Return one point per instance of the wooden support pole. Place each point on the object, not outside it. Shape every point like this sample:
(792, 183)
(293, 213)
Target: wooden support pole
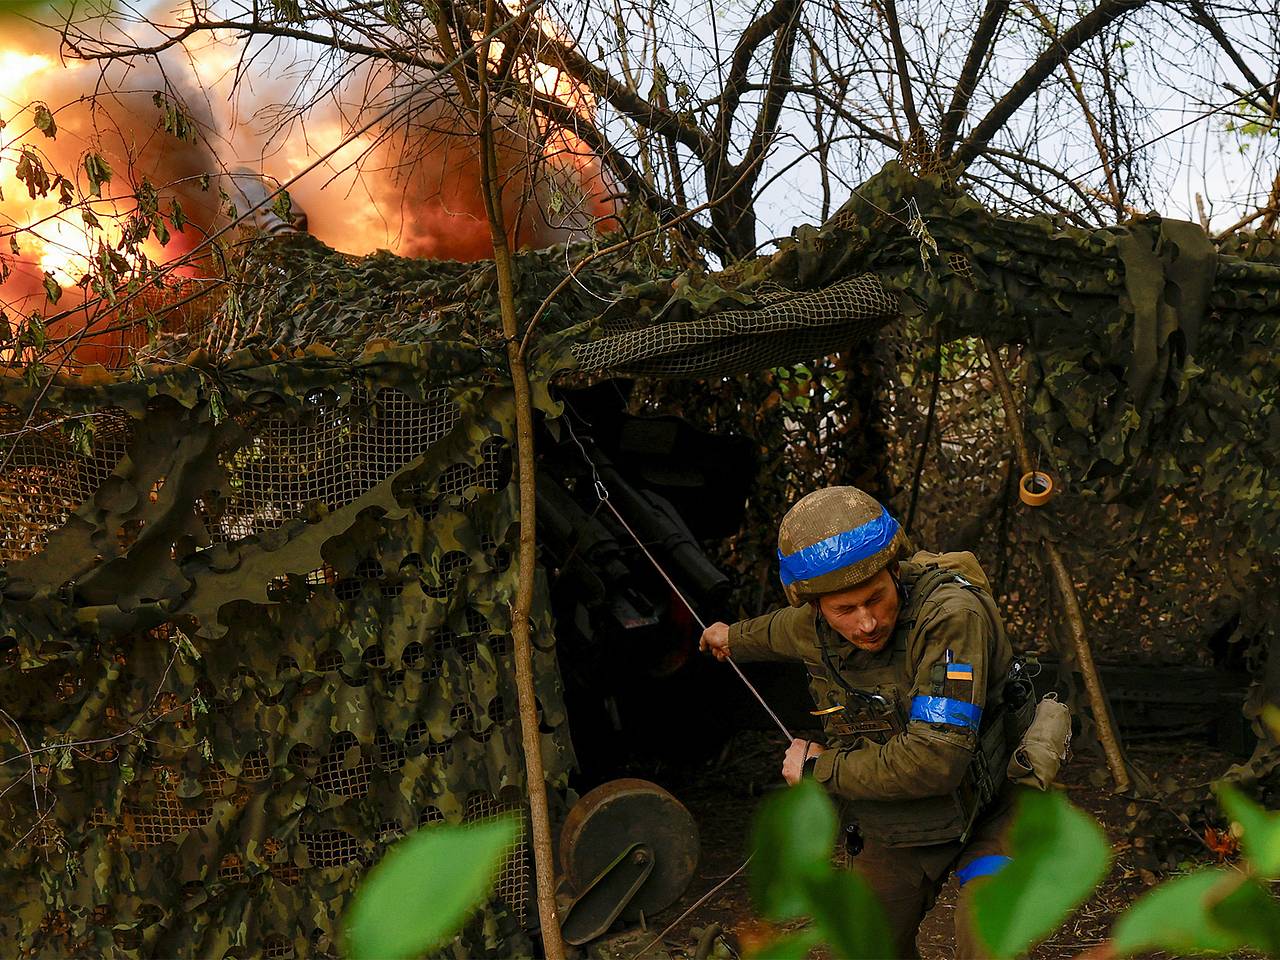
(1097, 697)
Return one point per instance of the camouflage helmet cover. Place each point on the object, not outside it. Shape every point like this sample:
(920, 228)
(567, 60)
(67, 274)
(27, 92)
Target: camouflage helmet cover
(833, 539)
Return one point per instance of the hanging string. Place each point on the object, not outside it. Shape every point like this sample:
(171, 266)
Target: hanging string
(603, 493)
(694, 906)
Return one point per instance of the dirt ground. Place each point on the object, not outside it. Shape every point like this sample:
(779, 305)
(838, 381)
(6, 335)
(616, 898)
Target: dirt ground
(723, 796)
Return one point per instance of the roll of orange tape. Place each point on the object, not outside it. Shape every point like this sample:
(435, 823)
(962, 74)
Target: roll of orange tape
(1035, 488)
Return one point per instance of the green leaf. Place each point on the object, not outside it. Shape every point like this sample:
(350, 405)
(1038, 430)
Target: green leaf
(81, 438)
(1261, 838)
(176, 215)
(35, 331)
(849, 916)
(1253, 914)
(31, 171)
(44, 121)
(1059, 855)
(290, 11)
(282, 206)
(51, 288)
(1271, 719)
(174, 118)
(424, 889)
(1177, 916)
(791, 946)
(98, 171)
(185, 646)
(791, 842)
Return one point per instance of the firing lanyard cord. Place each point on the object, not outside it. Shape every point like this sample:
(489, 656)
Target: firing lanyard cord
(603, 493)
(604, 496)
(690, 909)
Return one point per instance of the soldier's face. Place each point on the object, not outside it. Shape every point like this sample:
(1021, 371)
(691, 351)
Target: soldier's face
(864, 615)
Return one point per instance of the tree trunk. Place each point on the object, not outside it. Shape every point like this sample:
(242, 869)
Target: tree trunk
(477, 101)
(733, 219)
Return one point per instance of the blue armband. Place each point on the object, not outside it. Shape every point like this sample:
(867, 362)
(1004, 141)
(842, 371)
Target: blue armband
(958, 713)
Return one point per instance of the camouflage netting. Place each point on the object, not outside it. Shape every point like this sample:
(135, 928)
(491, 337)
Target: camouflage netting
(776, 326)
(255, 608)
(246, 652)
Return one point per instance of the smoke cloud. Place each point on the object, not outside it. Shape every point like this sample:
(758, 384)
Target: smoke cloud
(410, 185)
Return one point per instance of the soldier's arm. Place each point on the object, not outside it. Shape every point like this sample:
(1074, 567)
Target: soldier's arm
(780, 635)
(930, 756)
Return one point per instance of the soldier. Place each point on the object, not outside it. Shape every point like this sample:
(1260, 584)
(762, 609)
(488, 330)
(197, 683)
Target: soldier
(908, 668)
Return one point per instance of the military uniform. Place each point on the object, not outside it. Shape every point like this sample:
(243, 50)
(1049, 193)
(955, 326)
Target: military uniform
(911, 733)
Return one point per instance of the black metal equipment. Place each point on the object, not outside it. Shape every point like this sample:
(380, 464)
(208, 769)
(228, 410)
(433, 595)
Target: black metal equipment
(627, 646)
(628, 849)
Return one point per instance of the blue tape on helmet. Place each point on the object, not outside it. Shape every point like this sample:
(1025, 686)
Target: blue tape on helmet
(982, 867)
(837, 552)
(959, 713)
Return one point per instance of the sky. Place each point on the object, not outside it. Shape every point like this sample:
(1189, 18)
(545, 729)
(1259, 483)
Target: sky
(1174, 78)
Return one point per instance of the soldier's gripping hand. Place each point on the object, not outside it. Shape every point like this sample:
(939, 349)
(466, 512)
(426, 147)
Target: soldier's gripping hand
(798, 754)
(715, 641)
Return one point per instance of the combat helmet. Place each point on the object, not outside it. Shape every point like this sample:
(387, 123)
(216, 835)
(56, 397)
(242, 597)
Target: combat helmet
(833, 539)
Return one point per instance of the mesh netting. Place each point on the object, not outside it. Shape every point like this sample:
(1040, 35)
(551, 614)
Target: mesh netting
(789, 326)
(248, 779)
(513, 879)
(330, 455)
(50, 473)
(1149, 598)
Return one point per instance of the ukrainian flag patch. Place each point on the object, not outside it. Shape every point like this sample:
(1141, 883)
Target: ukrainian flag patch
(960, 671)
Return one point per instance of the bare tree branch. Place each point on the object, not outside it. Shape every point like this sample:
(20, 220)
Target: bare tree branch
(1085, 29)
(990, 152)
(1204, 18)
(983, 37)
(916, 131)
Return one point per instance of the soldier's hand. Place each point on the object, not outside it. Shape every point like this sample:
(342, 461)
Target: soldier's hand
(797, 754)
(715, 641)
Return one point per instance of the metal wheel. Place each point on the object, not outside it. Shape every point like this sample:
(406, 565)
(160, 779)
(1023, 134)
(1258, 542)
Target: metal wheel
(622, 812)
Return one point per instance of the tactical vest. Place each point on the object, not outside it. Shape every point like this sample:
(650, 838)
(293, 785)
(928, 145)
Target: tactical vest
(873, 702)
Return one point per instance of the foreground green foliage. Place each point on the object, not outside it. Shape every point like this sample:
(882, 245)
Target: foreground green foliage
(425, 888)
(1060, 854)
(792, 876)
(1215, 910)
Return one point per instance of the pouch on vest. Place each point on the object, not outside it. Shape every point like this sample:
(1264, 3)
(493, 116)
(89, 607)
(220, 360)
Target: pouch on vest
(1043, 748)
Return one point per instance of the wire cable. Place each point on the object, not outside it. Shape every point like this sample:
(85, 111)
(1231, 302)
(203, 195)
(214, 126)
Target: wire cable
(603, 493)
(696, 904)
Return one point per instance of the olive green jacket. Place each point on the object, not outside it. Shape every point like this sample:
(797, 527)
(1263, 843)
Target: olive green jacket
(953, 634)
